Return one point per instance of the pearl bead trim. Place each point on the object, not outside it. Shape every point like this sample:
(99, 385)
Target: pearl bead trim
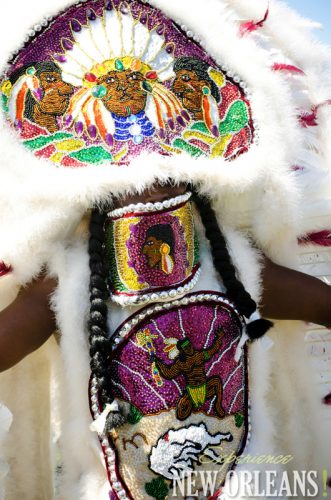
(163, 296)
(110, 456)
(150, 207)
(122, 333)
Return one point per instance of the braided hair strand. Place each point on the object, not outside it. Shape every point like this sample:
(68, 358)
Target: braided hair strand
(256, 326)
(100, 351)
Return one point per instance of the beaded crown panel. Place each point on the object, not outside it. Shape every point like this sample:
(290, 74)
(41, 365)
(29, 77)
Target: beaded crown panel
(173, 368)
(106, 80)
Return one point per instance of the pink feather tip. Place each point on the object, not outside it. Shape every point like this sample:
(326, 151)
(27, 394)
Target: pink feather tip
(320, 238)
(327, 399)
(38, 93)
(250, 26)
(4, 269)
(288, 68)
(310, 119)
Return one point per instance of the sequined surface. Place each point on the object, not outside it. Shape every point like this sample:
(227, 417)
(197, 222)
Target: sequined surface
(198, 323)
(118, 79)
(173, 367)
(152, 251)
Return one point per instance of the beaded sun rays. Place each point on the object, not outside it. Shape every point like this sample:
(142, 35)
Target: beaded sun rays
(106, 80)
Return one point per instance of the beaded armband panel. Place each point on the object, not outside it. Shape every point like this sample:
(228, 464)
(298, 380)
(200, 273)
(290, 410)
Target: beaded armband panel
(174, 372)
(152, 251)
(109, 79)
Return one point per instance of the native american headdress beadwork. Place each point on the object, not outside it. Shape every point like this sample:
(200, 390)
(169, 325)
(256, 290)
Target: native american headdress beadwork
(17, 94)
(109, 79)
(111, 44)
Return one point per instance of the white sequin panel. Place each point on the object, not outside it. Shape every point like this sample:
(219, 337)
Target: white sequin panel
(127, 33)
(141, 38)
(155, 45)
(100, 37)
(113, 31)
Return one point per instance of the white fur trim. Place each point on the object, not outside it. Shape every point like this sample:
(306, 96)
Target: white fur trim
(84, 468)
(6, 419)
(42, 205)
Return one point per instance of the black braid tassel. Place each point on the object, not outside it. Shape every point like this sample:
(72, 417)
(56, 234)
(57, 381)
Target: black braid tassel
(256, 329)
(114, 420)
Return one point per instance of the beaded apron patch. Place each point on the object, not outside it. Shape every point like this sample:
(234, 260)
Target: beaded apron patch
(109, 79)
(152, 251)
(173, 368)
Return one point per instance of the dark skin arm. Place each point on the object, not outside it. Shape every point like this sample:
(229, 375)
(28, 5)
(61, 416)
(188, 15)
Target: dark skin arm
(26, 323)
(289, 294)
(168, 372)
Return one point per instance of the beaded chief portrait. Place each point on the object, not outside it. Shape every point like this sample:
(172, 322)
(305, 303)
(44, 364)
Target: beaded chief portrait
(106, 80)
(152, 251)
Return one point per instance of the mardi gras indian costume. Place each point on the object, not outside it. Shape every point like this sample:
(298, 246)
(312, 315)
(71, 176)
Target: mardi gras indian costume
(151, 377)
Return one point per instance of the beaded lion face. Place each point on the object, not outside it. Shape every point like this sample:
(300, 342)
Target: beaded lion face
(107, 80)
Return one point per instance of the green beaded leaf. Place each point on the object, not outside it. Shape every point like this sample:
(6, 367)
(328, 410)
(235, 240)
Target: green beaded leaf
(201, 127)
(239, 419)
(236, 118)
(94, 154)
(135, 415)
(4, 103)
(196, 250)
(43, 140)
(189, 148)
(157, 488)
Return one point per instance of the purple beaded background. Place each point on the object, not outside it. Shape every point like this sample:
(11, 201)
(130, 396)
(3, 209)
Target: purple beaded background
(138, 261)
(46, 44)
(196, 320)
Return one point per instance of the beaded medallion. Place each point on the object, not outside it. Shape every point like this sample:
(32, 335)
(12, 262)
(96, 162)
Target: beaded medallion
(152, 251)
(173, 368)
(109, 79)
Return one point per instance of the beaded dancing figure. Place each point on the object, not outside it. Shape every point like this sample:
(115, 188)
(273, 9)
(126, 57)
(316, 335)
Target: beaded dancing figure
(190, 363)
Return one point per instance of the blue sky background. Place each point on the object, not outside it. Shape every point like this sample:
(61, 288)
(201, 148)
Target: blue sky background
(317, 10)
